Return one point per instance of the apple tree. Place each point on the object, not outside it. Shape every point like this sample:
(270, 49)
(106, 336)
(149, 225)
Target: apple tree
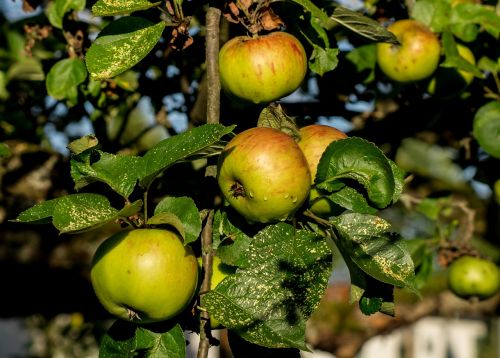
(239, 173)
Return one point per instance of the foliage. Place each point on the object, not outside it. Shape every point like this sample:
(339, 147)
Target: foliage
(136, 73)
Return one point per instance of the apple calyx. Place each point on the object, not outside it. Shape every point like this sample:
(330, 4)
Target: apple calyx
(237, 190)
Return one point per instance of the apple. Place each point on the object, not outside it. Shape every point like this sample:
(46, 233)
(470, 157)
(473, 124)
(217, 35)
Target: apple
(448, 82)
(262, 69)
(314, 139)
(470, 277)
(264, 175)
(219, 272)
(144, 275)
(417, 56)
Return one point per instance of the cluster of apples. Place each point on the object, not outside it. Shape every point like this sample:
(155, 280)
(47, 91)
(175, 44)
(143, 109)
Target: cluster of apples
(266, 176)
(417, 58)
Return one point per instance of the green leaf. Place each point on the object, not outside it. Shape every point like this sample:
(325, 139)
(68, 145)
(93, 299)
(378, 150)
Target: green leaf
(371, 295)
(229, 240)
(38, 214)
(127, 340)
(80, 145)
(359, 160)
(362, 25)
(182, 214)
(120, 172)
(72, 213)
(120, 7)
(58, 8)
(273, 116)
(356, 22)
(399, 180)
(351, 199)
(486, 128)
(64, 77)
(323, 60)
(466, 14)
(4, 93)
(179, 147)
(453, 58)
(80, 212)
(121, 45)
(432, 13)
(4, 150)
(365, 59)
(26, 69)
(379, 253)
(279, 284)
(432, 161)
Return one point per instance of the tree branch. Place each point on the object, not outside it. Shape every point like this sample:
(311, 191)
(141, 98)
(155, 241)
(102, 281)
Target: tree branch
(213, 113)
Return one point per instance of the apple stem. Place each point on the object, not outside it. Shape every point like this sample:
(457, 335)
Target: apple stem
(238, 190)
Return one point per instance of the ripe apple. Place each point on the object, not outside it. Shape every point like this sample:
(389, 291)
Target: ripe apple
(470, 277)
(313, 141)
(144, 275)
(263, 175)
(416, 58)
(219, 272)
(262, 69)
(448, 82)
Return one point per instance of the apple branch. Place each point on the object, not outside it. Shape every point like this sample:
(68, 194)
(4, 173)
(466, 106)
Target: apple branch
(213, 113)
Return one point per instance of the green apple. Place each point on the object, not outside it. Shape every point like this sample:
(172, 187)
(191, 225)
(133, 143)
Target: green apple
(264, 175)
(219, 272)
(144, 275)
(262, 69)
(448, 82)
(470, 277)
(417, 56)
(314, 139)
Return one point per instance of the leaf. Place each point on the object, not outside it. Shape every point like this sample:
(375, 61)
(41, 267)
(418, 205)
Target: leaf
(365, 59)
(80, 145)
(486, 128)
(179, 147)
(323, 60)
(379, 253)
(120, 7)
(351, 199)
(453, 58)
(273, 116)
(279, 284)
(120, 172)
(121, 45)
(58, 8)
(466, 14)
(399, 180)
(434, 14)
(4, 150)
(431, 161)
(229, 240)
(80, 212)
(64, 77)
(359, 160)
(362, 25)
(181, 213)
(38, 214)
(72, 213)
(127, 340)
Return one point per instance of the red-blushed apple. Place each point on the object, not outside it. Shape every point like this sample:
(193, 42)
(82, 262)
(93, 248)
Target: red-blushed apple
(313, 141)
(417, 56)
(264, 175)
(262, 69)
(144, 275)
